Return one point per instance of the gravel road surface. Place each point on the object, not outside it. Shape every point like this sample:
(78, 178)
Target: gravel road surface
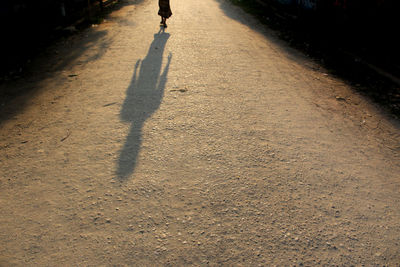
(209, 143)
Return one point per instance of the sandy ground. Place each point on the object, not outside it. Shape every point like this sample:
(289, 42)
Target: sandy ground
(211, 143)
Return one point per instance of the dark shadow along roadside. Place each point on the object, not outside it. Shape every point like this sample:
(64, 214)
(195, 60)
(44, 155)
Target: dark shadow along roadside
(33, 55)
(367, 59)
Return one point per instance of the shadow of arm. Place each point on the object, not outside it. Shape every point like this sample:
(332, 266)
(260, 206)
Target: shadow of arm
(164, 75)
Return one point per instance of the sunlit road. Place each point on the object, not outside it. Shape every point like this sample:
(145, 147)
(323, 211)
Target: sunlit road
(209, 143)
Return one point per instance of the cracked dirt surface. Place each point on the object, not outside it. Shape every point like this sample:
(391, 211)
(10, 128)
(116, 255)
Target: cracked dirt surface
(212, 143)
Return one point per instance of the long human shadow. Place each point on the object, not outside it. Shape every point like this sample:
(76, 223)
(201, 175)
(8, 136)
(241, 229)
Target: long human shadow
(143, 98)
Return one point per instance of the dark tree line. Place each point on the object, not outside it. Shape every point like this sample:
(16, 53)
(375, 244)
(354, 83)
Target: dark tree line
(45, 12)
(369, 26)
(28, 24)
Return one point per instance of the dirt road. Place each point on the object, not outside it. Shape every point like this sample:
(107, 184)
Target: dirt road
(212, 143)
